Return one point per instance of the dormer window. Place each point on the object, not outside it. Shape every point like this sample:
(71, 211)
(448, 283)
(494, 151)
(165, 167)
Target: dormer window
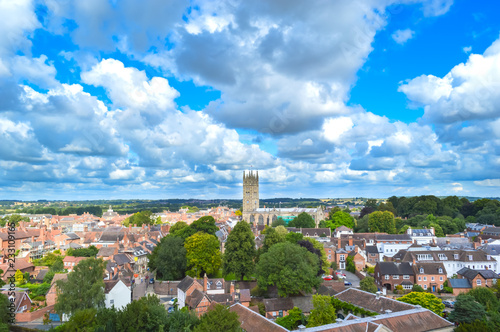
(488, 257)
(440, 270)
(455, 256)
(470, 257)
(421, 270)
(219, 284)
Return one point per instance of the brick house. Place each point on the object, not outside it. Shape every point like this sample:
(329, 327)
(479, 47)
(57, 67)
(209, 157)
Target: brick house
(372, 255)
(391, 274)
(278, 307)
(70, 262)
(430, 276)
(20, 264)
(478, 278)
(22, 301)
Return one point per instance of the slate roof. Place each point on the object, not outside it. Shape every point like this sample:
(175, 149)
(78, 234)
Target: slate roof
(491, 249)
(72, 236)
(370, 302)
(421, 232)
(41, 275)
(492, 231)
(459, 283)
(111, 236)
(395, 268)
(106, 252)
(449, 255)
(371, 250)
(430, 268)
(108, 285)
(121, 259)
(245, 295)
(471, 274)
(394, 237)
(285, 303)
(185, 283)
(221, 298)
(195, 298)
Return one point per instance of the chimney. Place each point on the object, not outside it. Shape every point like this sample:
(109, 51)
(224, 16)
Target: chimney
(448, 241)
(130, 227)
(301, 327)
(350, 240)
(339, 243)
(205, 283)
(476, 245)
(231, 288)
(143, 226)
(378, 295)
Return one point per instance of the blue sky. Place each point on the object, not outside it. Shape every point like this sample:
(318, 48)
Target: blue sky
(165, 99)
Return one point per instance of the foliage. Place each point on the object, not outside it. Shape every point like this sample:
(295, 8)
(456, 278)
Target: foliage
(399, 290)
(323, 312)
(350, 308)
(293, 237)
(4, 312)
(486, 297)
(48, 260)
(177, 227)
(370, 269)
(83, 289)
(19, 278)
(37, 289)
(475, 326)
(334, 265)
(91, 251)
(368, 285)
(292, 321)
(205, 224)
(417, 288)
(379, 221)
(349, 264)
(362, 225)
(238, 212)
(278, 222)
(425, 300)
(180, 321)
(281, 230)
(303, 220)
(140, 218)
(310, 247)
(325, 264)
(203, 254)
(340, 218)
(239, 251)
(466, 310)
(145, 314)
(289, 267)
(219, 319)
(169, 258)
(15, 218)
(272, 238)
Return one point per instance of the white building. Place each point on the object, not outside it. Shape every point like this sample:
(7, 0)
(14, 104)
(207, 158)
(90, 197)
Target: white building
(117, 294)
(422, 236)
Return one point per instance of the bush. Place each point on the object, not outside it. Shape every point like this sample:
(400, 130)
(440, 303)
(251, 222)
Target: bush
(39, 298)
(334, 266)
(257, 292)
(370, 269)
(417, 288)
(399, 289)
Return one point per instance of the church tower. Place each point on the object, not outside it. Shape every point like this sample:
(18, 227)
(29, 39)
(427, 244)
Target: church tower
(250, 191)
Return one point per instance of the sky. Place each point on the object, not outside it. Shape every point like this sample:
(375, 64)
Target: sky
(175, 99)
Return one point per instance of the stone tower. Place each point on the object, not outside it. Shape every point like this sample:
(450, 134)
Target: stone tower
(250, 191)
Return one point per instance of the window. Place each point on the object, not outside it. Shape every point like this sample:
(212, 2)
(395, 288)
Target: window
(386, 277)
(441, 286)
(419, 278)
(425, 278)
(455, 256)
(421, 270)
(342, 258)
(406, 276)
(274, 313)
(470, 257)
(219, 284)
(395, 277)
(425, 286)
(407, 286)
(478, 282)
(440, 278)
(111, 302)
(432, 278)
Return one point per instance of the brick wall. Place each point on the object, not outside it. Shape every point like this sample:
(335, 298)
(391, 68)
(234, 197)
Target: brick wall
(30, 316)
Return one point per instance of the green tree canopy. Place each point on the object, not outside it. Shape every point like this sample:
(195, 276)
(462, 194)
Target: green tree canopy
(289, 267)
(425, 300)
(4, 313)
(219, 319)
(303, 220)
(278, 222)
(177, 227)
(139, 219)
(323, 312)
(466, 310)
(169, 258)
(239, 252)
(368, 285)
(292, 321)
(379, 221)
(91, 251)
(272, 237)
(486, 297)
(204, 224)
(84, 288)
(340, 218)
(293, 237)
(182, 320)
(203, 254)
(145, 314)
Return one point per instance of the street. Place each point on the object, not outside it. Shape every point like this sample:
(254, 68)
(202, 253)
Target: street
(352, 278)
(139, 289)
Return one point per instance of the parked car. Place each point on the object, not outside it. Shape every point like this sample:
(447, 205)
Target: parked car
(173, 301)
(449, 304)
(325, 277)
(347, 283)
(152, 280)
(341, 276)
(170, 310)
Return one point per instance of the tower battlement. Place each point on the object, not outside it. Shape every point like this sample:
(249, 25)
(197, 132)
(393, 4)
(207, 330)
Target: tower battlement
(250, 191)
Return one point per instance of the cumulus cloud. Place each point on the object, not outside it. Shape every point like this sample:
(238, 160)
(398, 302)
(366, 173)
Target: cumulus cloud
(402, 36)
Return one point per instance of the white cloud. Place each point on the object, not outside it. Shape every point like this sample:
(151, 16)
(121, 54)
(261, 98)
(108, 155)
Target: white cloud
(402, 36)
(467, 49)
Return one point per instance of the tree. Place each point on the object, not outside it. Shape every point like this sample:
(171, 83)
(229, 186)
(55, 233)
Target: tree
(466, 310)
(281, 230)
(169, 258)
(239, 251)
(177, 227)
(292, 321)
(84, 288)
(475, 326)
(425, 300)
(362, 225)
(340, 218)
(204, 224)
(181, 320)
(4, 313)
(323, 312)
(325, 264)
(219, 319)
(368, 285)
(293, 237)
(203, 254)
(379, 221)
(272, 237)
(349, 264)
(366, 211)
(238, 213)
(437, 229)
(145, 314)
(371, 203)
(19, 276)
(278, 222)
(290, 268)
(486, 297)
(139, 219)
(387, 207)
(417, 288)
(91, 251)
(303, 220)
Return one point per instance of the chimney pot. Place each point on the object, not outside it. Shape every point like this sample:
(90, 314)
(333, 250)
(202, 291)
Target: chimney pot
(378, 295)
